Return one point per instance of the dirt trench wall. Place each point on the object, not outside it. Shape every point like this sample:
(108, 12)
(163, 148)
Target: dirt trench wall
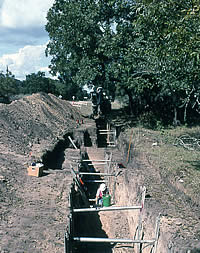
(128, 193)
(161, 198)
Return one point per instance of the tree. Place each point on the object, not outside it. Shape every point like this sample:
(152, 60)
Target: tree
(37, 82)
(132, 61)
(145, 49)
(94, 42)
(8, 85)
(79, 32)
(69, 90)
(172, 30)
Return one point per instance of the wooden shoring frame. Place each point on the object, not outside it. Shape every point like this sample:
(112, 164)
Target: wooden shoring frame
(129, 147)
(108, 127)
(72, 142)
(140, 217)
(109, 132)
(70, 229)
(95, 181)
(111, 240)
(114, 188)
(157, 229)
(107, 168)
(117, 171)
(66, 242)
(108, 171)
(96, 163)
(95, 174)
(95, 160)
(137, 241)
(106, 131)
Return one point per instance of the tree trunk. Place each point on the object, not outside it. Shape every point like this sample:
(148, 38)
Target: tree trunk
(130, 100)
(176, 122)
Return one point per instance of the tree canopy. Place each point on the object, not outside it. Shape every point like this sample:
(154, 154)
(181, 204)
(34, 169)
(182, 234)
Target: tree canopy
(8, 86)
(11, 88)
(145, 49)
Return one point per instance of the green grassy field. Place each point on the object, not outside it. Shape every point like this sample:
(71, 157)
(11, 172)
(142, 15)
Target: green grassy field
(176, 152)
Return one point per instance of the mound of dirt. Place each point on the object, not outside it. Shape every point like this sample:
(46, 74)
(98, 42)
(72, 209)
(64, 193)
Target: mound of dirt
(32, 120)
(33, 210)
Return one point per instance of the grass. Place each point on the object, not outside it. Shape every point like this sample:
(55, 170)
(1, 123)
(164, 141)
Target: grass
(172, 160)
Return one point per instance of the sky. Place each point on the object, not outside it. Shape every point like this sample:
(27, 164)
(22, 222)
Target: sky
(23, 38)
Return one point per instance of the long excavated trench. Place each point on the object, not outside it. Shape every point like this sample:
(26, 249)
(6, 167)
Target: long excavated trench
(95, 157)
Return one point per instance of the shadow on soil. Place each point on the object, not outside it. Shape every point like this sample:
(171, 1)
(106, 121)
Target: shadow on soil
(195, 164)
(54, 159)
(89, 224)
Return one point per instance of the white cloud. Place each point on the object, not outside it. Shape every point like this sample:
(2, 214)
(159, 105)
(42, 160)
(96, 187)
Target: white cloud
(29, 59)
(24, 13)
(23, 36)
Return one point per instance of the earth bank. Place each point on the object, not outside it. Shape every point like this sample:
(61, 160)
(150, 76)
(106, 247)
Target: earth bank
(34, 211)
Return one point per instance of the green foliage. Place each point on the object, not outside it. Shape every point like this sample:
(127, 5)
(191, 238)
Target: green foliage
(36, 82)
(147, 50)
(173, 29)
(68, 91)
(8, 86)
(79, 32)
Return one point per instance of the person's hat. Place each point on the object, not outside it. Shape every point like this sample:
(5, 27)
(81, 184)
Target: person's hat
(102, 187)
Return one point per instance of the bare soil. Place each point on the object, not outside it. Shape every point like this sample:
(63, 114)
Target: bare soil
(34, 211)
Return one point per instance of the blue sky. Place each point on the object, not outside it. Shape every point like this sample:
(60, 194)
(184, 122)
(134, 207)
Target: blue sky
(23, 37)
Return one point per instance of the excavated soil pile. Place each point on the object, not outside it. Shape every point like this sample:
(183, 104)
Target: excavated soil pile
(33, 211)
(33, 119)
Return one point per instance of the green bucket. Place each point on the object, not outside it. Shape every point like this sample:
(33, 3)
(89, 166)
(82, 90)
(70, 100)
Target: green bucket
(106, 200)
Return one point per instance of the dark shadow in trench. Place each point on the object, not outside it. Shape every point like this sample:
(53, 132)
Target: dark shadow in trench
(85, 224)
(87, 139)
(89, 224)
(54, 159)
(101, 138)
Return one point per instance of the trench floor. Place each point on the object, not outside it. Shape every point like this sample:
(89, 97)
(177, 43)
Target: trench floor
(108, 224)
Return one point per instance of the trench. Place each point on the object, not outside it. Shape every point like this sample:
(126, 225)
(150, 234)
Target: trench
(88, 224)
(82, 224)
